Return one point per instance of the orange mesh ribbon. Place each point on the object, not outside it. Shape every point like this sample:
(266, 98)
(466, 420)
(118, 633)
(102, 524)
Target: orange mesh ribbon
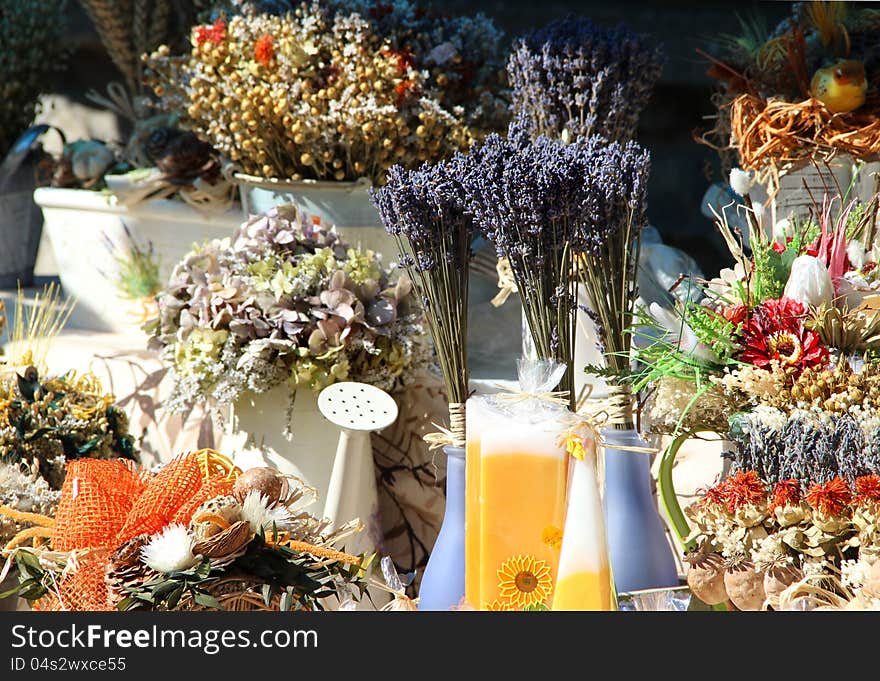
(105, 503)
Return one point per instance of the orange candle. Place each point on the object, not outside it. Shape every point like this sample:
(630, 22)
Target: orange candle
(522, 505)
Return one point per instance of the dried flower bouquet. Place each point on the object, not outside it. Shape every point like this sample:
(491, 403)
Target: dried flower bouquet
(321, 92)
(284, 301)
(781, 357)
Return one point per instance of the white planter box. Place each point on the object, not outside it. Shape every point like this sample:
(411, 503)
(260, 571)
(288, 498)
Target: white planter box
(344, 204)
(77, 222)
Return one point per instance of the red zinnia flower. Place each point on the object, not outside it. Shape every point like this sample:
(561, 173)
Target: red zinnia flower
(744, 489)
(775, 331)
(785, 493)
(867, 488)
(830, 498)
(264, 50)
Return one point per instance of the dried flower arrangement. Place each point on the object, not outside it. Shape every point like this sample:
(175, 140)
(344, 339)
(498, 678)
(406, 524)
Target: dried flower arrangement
(311, 105)
(47, 422)
(198, 534)
(424, 211)
(575, 78)
(549, 206)
(283, 301)
(780, 356)
(159, 159)
(32, 48)
(799, 91)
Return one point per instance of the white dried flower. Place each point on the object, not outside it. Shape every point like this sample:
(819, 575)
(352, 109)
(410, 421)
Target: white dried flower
(170, 550)
(809, 282)
(262, 515)
(854, 573)
(783, 230)
(741, 181)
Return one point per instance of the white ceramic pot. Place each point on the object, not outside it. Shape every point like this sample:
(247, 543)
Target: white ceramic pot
(256, 437)
(79, 222)
(344, 204)
(805, 185)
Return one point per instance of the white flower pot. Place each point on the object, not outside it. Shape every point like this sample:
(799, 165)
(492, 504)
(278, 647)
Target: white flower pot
(256, 437)
(805, 185)
(344, 204)
(77, 222)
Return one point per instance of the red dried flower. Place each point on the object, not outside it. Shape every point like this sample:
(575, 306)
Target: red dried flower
(867, 488)
(735, 313)
(775, 331)
(744, 489)
(785, 493)
(715, 495)
(264, 50)
(402, 89)
(215, 33)
(830, 498)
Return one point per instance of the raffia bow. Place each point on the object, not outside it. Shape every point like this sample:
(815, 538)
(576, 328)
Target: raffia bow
(506, 282)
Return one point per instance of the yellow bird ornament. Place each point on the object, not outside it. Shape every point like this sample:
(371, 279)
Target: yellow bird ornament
(841, 86)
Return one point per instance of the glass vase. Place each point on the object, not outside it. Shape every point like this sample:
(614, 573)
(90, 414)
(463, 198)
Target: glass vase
(641, 557)
(442, 585)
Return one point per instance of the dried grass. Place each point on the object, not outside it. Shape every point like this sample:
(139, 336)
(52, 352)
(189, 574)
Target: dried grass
(776, 132)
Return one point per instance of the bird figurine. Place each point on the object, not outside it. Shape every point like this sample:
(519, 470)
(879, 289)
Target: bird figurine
(841, 86)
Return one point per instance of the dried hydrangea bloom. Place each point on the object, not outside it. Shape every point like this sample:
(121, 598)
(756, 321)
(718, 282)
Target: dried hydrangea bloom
(283, 300)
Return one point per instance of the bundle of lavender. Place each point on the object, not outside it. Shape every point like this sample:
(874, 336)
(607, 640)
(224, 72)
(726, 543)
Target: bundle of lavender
(424, 210)
(554, 209)
(572, 79)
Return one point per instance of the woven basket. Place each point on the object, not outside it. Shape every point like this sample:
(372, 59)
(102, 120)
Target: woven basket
(236, 593)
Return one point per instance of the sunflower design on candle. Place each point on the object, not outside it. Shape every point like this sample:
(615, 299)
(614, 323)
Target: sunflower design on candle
(524, 581)
(498, 606)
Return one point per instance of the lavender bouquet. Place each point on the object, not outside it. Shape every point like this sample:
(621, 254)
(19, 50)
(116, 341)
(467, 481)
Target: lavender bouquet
(424, 210)
(283, 300)
(607, 267)
(544, 204)
(578, 79)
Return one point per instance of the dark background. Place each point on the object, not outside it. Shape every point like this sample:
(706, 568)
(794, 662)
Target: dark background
(681, 169)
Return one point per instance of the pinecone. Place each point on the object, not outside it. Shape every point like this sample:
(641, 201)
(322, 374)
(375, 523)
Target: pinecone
(182, 156)
(126, 569)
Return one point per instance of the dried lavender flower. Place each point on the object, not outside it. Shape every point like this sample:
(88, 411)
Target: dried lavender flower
(424, 210)
(547, 205)
(574, 76)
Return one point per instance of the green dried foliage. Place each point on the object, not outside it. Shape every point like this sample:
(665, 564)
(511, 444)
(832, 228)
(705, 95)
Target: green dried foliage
(713, 330)
(33, 46)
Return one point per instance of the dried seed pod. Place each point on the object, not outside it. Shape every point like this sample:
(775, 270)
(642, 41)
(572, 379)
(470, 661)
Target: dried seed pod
(227, 544)
(705, 577)
(745, 585)
(777, 579)
(214, 516)
(871, 588)
(268, 482)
